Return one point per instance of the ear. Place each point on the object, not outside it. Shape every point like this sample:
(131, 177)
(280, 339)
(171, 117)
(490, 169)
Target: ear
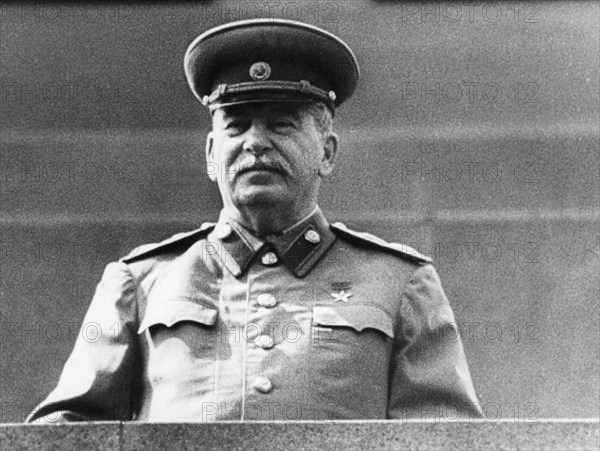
(212, 168)
(330, 146)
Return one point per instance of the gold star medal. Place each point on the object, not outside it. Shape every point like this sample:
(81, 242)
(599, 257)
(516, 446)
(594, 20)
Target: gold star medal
(343, 291)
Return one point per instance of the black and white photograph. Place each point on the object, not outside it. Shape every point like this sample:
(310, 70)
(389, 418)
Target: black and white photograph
(355, 224)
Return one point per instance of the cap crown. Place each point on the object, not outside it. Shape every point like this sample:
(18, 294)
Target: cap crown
(270, 60)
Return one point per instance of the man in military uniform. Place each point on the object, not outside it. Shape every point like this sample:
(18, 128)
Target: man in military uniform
(272, 313)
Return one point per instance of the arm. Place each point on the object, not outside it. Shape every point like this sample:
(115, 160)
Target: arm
(97, 381)
(430, 377)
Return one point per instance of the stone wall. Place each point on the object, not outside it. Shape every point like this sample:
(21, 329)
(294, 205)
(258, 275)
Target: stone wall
(356, 435)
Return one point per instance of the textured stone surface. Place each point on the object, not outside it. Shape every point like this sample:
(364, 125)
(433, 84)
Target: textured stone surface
(388, 435)
(347, 435)
(88, 437)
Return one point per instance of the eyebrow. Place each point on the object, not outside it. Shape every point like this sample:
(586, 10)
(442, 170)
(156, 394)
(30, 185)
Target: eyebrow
(283, 108)
(233, 110)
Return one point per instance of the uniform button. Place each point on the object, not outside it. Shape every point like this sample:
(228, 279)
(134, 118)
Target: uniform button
(223, 231)
(262, 384)
(265, 342)
(269, 259)
(312, 236)
(266, 300)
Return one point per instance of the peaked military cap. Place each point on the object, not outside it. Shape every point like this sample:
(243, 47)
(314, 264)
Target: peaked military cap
(270, 60)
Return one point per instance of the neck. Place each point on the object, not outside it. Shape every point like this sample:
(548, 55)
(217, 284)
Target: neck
(266, 219)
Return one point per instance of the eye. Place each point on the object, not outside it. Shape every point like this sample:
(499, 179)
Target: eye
(283, 124)
(236, 126)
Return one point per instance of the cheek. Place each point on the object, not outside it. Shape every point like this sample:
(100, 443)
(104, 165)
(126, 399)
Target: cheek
(311, 157)
(224, 151)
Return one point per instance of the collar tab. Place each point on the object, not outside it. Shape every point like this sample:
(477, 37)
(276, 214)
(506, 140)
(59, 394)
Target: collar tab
(299, 248)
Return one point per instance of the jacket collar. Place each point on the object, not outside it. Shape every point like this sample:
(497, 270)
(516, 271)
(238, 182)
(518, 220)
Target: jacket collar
(298, 248)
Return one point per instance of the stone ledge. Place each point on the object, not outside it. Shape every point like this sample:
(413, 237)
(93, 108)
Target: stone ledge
(346, 435)
(71, 436)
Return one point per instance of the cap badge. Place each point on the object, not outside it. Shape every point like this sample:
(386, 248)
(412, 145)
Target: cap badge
(260, 71)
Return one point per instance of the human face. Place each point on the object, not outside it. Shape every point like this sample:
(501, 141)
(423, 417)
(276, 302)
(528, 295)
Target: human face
(268, 155)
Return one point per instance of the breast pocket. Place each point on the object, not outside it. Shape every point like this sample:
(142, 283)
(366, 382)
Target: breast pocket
(182, 346)
(351, 351)
(181, 328)
(352, 324)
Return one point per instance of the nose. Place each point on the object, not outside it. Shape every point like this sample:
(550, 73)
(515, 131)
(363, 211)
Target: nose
(257, 139)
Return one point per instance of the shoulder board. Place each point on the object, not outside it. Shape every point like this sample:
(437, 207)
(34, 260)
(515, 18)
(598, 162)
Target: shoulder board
(403, 250)
(147, 250)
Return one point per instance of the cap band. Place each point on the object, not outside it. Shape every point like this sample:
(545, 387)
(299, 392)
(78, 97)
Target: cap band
(229, 93)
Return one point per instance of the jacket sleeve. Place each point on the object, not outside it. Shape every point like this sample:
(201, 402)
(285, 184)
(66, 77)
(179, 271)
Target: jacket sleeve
(430, 378)
(97, 382)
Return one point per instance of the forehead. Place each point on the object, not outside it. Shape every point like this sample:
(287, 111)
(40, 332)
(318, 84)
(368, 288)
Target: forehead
(258, 109)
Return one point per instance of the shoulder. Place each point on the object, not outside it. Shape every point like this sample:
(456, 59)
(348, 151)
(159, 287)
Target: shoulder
(179, 240)
(366, 239)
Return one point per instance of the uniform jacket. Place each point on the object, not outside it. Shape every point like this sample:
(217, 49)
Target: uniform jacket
(320, 323)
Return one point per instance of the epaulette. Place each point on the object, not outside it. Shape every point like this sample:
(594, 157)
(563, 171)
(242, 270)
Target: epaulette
(403, 250)
(179, 239)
